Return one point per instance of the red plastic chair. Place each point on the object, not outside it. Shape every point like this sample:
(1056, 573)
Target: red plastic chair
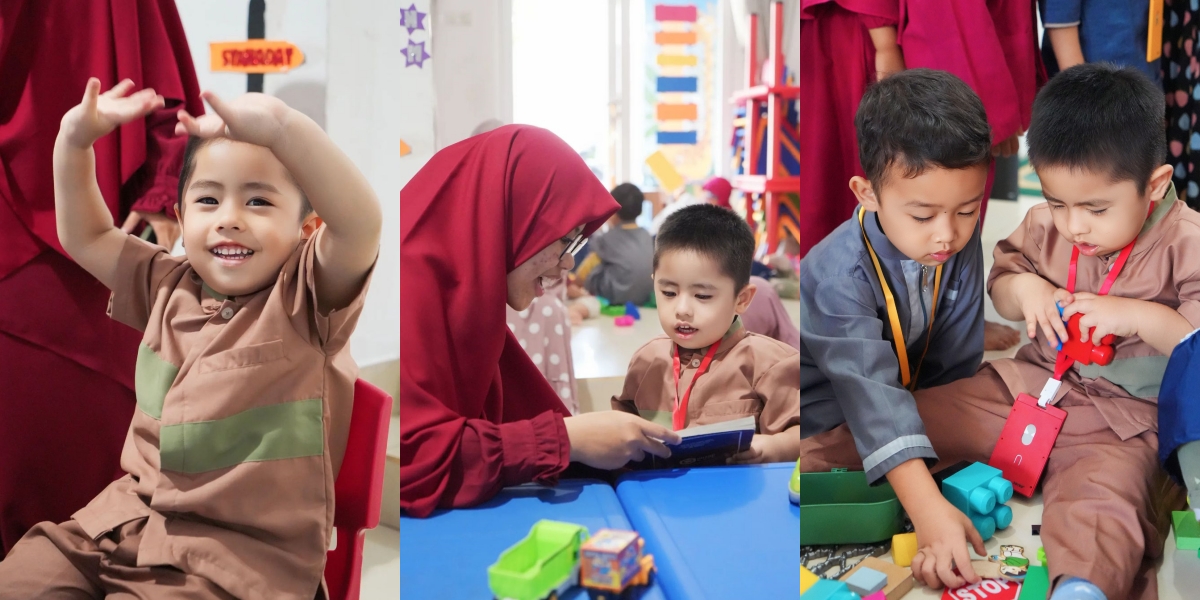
(358, 489)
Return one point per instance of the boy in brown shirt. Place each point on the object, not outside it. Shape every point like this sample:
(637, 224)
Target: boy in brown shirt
(1097, 143)
(244, 379)
(702, 283)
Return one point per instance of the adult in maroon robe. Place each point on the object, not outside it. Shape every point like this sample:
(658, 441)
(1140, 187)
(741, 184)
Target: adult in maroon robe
(66, 369)
(837, 63)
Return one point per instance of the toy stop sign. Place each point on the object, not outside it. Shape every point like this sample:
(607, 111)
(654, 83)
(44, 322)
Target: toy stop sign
(254, 56)
(988, 589)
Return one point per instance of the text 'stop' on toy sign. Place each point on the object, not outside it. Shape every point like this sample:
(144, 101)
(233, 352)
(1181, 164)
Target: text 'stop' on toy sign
(255, 56)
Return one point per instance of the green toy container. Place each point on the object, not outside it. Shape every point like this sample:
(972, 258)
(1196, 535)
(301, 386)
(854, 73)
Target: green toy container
(840, 508)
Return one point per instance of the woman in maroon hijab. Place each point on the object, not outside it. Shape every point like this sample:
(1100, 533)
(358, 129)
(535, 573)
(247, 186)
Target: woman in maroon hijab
(66, 369)
(483, 224)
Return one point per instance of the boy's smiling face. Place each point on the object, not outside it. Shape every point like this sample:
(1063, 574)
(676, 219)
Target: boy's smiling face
(696, 300)
(241, 217)
(1096, 214)
(930, 217)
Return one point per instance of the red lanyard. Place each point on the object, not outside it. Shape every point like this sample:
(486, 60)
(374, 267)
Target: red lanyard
(1064, 362)
(679, 417)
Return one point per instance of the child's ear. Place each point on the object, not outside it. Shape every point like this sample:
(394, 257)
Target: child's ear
(1160, 180)
(310, 225)
(744, 298)
(865, 193)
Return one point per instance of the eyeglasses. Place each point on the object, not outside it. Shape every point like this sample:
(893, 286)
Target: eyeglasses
(574, 246)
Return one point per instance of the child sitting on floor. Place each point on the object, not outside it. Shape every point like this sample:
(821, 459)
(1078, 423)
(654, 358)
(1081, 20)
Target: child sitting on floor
(1097, 144)
(892, 301)
(622, 254)
(244, 377)
(702, 283)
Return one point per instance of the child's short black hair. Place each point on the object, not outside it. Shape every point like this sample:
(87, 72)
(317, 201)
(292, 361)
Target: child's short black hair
(1102, 118)
(194, 144)
(918, 119)
(713, 231)
(630, 198)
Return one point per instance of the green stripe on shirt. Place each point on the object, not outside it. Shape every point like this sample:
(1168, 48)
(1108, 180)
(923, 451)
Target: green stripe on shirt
(151, 381)
(275, 432)
(1140, 376)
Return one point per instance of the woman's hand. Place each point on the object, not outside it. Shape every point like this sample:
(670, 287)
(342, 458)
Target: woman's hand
(611, 439)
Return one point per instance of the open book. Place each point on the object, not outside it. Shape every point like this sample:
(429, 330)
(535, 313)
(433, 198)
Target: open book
(704, 446)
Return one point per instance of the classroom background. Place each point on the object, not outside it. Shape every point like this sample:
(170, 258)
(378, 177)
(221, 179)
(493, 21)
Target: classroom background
(648, 92)
(1161, 44)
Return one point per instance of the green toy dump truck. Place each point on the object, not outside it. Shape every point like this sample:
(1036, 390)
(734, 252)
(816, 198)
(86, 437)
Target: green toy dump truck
(545, 564)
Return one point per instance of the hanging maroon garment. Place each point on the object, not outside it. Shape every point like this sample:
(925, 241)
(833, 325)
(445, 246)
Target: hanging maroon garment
(837, 63)
(992, 46)
(476, 413)
(66, 369)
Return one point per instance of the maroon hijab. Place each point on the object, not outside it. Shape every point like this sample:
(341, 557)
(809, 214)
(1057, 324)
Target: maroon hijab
(476, 211)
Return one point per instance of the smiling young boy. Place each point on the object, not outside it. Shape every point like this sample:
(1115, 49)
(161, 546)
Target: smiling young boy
(244, 376)
(891, 302)
(702, 283)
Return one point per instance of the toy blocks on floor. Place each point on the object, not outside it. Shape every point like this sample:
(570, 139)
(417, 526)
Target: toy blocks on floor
(631, 310)
(1187, 530)
(876, 596)
(904, 548)
(828, 589)
(807, 579)
(866, 581)
(899, 579)
(980, 492)
(623, 321)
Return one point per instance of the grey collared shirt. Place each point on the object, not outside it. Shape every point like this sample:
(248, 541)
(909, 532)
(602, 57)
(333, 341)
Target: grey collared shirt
(849, 372)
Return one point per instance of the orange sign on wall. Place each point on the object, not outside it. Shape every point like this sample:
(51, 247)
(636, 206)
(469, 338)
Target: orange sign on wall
(255, 56)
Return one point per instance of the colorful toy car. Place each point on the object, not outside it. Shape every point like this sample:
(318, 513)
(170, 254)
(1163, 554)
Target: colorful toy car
(794, 485)
(545, 564)
(611, 563)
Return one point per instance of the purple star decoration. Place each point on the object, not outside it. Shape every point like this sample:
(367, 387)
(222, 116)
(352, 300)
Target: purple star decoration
(415, 55)
(412, 19)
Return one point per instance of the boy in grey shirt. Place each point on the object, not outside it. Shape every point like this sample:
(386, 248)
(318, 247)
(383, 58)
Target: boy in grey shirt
(924, 143)
(625, 252)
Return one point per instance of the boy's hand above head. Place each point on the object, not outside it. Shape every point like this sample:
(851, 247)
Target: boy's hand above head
(256, 119)
(99, 114)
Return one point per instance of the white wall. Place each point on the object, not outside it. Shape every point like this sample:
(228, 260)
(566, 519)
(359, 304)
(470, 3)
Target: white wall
(473, 76)
(374, 101)
(348, 84)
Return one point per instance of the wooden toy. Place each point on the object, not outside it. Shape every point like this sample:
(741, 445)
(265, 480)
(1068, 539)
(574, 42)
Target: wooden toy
(866, 581)
(899, 579)
(904, 548)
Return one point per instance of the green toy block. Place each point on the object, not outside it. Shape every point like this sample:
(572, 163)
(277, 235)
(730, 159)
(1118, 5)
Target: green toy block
(1036, 585)
(980, 492)
(1187, 530)
(828, 589)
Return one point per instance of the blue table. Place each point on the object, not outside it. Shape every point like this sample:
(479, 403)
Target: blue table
(446, 556)
(718, 532)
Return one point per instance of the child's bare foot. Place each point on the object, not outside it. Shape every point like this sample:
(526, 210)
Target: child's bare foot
(999, 337)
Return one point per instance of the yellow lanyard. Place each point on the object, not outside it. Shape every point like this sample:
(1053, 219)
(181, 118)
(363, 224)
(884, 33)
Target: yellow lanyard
(908, 379)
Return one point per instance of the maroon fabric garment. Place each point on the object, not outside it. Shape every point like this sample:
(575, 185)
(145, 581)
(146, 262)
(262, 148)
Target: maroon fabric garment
(476, 414)
(82, 359)
(766, 315)
(837, 64)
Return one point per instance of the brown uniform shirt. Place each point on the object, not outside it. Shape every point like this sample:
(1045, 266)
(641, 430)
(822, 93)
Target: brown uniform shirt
(243, 409)
(1164, 267)
(750, 375)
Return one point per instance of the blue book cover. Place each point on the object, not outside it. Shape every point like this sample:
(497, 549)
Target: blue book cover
(704, 446)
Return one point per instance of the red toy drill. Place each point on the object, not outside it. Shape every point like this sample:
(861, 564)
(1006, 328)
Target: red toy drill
(1082, 350)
